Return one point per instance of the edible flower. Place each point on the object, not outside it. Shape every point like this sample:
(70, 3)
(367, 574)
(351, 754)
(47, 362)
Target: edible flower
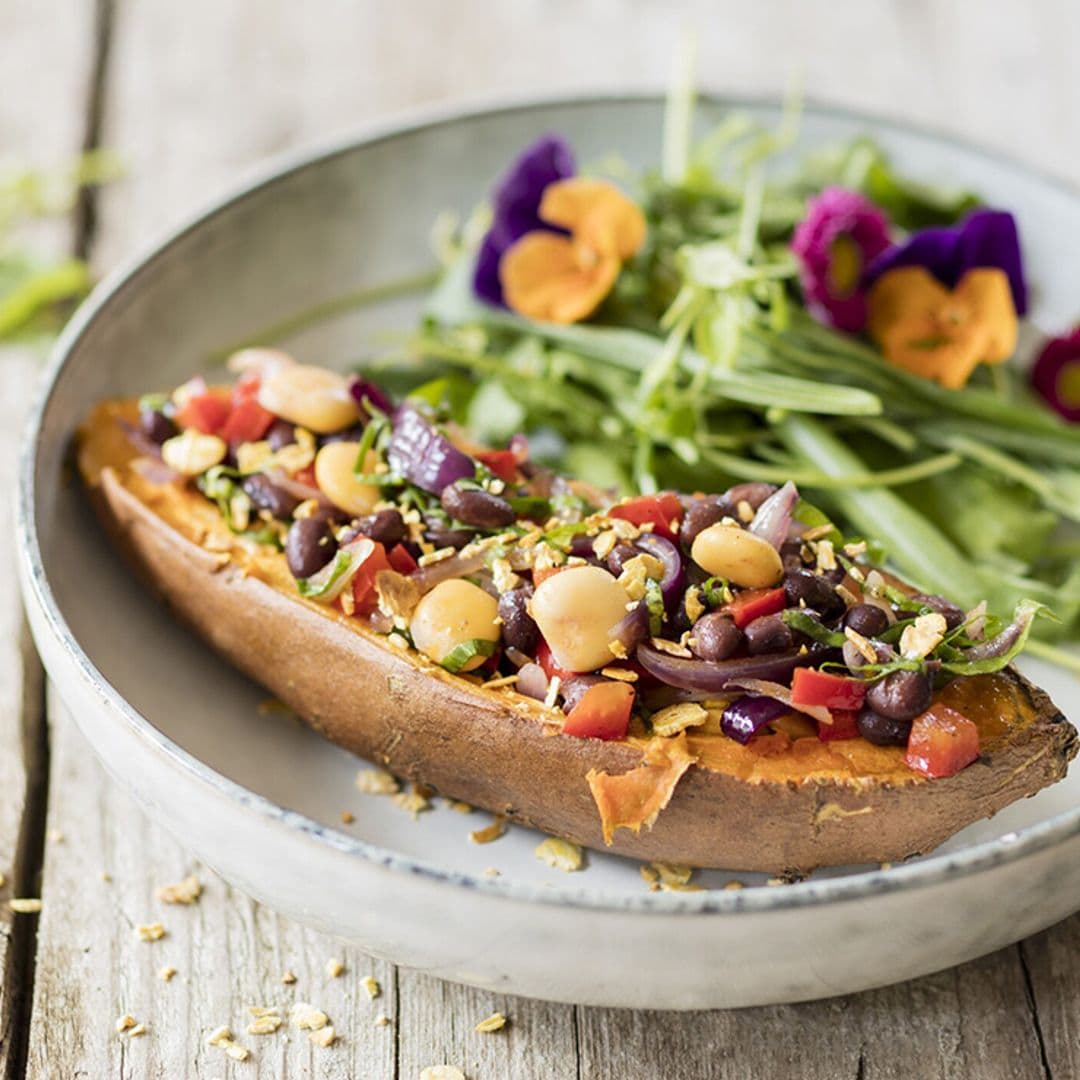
(836, 241)
(985, 238)
(939, 333)
(1056, 375)
(564, 278)
(516, 207)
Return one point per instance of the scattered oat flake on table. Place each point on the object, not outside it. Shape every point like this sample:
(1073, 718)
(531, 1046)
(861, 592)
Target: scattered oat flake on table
(347, 817)
(137, 1030)
(491, 871)
(371, 985)
(323, 1036)
(414, 801)
(150, 931)
(124, 1022)
(222, 1038)
(651, 877)
(166, 973)
(288, 978)
(461, 807)
(306, 1017)
(560, 854)
(56, 836)
(490, 832)
(382, 1020)
(734, 886)
(24, 905)
(334, 968)
(266, 1024)
(442, 1072)
(183, 892)
(376, 782)
(670, 874)
(494, 1022)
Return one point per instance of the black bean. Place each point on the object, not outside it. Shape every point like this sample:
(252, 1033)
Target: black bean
(954, 615)
(812, 591)
(385, 527)
(753, 493)
(768, 634)
(882, 730)
(901, 695)
(438, 532)
(866, 619)
(156, 426)
(519, 631)
(791, 556)
(700, 514)
(476, 507)
(715, 637)
(266, 495)
(309, 546)
(280, 434)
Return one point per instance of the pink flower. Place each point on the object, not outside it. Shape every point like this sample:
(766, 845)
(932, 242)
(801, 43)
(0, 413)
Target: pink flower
(841, 233)
(1056, 375)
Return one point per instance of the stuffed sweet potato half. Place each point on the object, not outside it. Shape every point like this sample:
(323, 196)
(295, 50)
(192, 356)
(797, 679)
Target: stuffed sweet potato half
(713, 680)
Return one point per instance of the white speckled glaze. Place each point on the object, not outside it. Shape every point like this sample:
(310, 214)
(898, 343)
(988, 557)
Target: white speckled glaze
(259, 798)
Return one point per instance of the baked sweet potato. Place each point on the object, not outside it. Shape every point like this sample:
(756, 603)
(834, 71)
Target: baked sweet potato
(779, 803)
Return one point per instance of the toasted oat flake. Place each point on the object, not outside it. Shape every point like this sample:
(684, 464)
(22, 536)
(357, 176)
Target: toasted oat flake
(220, 1035)
(382, 1020)
(237, 1052)
(552, 692)
(672, 874)
(496, 684)
(650, 876)
(183, 892)
(137, 1030)
(324, 1037)
(347, 817)
(560, 854)
(288, 978)
(24, 905)
(442, 1072)
(371, 986)
(847, 595)
(376, 782)
(618, 649)
(491, 871)
(863, 645)
(638, 570)
(693, 604)
(125, 1022)
(503, 576)
(265, 1024)
(745, 512)
(308, 1018)
(619, 674)
(436, 556)
(672, 648)
(490, 832)
(460, 807)
(334, 967)
(604, 544)
(414, 802)
(150, 931)
(855, 549)
(166, 973)
(494, 1022)
(623, 529)
(675, 718)
(923, 636)
(826, 557)
(734, 886)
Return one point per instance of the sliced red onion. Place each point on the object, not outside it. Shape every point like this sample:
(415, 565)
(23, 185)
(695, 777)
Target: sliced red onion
(766, 688)
(532, 681)
(154, 470)
(419, 453)
(746, 716)
(362, 388)
(1002, 644)
(140, 440)
(671, 584)
(774, 515)
(632, 628)
(519, 447)
(298, 489)
(454, 566)
(714, 677)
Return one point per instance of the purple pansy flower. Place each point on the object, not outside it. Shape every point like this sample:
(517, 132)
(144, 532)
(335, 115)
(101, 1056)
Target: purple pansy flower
(516, 207)
(985, 238)
(840, 235)
(1056, 375)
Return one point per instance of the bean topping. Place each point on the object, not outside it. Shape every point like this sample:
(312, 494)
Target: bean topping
(754, 493)
(813, 591)
(954, 616)
(866, 619)
(882, 730)
(715, 637)
(769, 634)
(700, 514)
(385, 527)
(476, 507)
(156, 426)
(309, 546)
(281, 434)
(519, 629)
(902, 695)
(266, 495)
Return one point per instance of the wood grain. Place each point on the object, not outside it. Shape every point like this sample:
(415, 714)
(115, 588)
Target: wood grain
(41, 119)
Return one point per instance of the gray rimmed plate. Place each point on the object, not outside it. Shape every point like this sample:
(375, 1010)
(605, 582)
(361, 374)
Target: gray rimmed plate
(259, 797)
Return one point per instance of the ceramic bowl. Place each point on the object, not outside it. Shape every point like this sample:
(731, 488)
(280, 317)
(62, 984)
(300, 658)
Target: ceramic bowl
(259, 797)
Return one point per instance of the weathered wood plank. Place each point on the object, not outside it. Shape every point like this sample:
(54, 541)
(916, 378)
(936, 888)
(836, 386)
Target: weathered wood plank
(41, 123)
(1052, 964)
(229, 954)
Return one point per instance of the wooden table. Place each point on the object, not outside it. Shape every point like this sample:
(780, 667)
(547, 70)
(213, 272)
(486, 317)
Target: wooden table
(193, 94)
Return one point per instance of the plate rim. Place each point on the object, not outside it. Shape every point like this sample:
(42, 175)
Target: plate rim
(934, 869)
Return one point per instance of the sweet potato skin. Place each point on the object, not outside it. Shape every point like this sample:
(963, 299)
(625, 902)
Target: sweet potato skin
(493, 750)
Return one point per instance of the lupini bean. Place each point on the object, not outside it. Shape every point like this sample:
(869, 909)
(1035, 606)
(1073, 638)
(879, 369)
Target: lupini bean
(309, 546)
(519, 628)
(453, 613)
(715, 637)
(901, 695)
(334, 474)
(576, 610)
(312, 397)
(768, 634)
(266, 495)
(476, 507)
(866, 619)
(882, 730)
(737, 555)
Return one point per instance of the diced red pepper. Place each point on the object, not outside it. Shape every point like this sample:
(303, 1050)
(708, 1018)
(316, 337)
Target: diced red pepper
(751, 604)
(843, 726)
(401, 559)
(503, 463)
(810, 687)
(942, 742)
(205, 412)
(602, 713)
(247, 421)
(365, 598)
(306, 475)
(547, 662)
(663, 510)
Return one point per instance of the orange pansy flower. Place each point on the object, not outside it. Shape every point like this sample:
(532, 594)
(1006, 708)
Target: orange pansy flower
(556, 278)
(938, 333)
